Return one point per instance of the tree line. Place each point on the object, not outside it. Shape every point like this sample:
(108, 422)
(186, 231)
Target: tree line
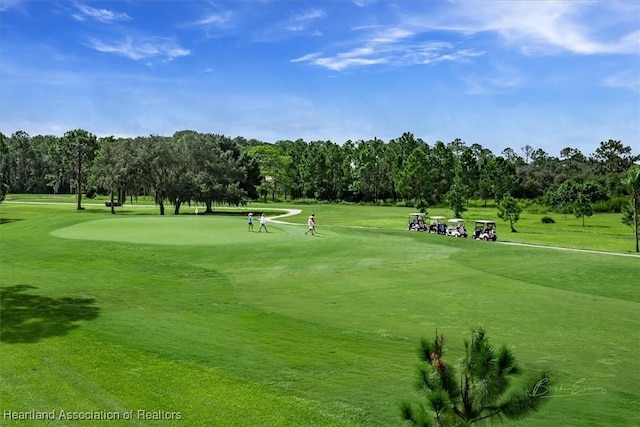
(207, 168)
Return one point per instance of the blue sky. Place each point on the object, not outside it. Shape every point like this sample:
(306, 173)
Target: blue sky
(550, 74)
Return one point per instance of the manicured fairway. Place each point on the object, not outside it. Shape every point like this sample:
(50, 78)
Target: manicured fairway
(198, 318)
(171, 230)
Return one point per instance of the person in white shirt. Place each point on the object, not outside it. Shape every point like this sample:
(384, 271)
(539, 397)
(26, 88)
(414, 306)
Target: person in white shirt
(263, 223)
(312, 225)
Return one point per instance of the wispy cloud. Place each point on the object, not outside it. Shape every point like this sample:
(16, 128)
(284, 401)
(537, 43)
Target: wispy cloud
(213, 19)
(8, 4)
(628, 79)
(144, 48)
(301, 20)
(393, 46)
(101, 15)
(309, 15)
(363, 3)
(346, 60)
(501, 81)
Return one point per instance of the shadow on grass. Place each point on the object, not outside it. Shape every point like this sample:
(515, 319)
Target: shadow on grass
(8, 220)
(29, 318)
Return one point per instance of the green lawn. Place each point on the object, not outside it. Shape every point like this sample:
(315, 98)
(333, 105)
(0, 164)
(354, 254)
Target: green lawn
(196, 316)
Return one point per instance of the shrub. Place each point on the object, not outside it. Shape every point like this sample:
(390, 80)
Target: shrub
(547, 220)
(615, 204)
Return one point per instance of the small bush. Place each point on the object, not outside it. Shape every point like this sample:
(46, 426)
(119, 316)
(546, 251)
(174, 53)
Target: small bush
(91, 193)
(547, 220)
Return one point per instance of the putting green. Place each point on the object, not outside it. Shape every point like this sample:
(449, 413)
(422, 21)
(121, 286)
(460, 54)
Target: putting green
(176, 230)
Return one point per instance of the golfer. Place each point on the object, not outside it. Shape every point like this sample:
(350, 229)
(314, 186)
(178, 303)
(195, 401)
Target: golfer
(312, 226)
(263, 224)
(250, 220)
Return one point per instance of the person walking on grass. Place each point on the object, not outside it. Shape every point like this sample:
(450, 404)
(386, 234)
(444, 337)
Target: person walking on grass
(263, 224)
(250, 220)
(312, 226)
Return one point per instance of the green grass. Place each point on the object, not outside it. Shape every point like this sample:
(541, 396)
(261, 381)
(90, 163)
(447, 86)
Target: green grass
(198, 316)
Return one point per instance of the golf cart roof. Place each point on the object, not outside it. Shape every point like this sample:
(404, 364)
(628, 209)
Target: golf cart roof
(484, 221)
(417, 214)
(437, 217)
(456, 220)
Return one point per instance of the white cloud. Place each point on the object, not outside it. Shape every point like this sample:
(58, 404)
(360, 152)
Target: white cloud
(142, 48)
(214, 19)
(307, 57)
(541, 27)
(310, 15)
(339, 63)
(101, 15)
(391, 46)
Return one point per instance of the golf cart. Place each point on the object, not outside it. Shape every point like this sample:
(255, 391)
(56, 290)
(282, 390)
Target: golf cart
(485, 230)
(416, 222)
(456, 228)
(437, 225)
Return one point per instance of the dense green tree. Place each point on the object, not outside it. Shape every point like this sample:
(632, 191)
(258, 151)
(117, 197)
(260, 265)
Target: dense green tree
(413, 182)
(469, 163)
(161, 157)
(442, 162)
(215, 167)
(371, 170)
(574, 164)
(347, 175)
(458, 194)
(481, 391)
(274, 165)
(25, 159)
(299, 173)
(505, 179)
(512, 156)
(632, 210)
(562, 197)
(109, 167)
(509, 210)
(4, 186)
(582, 206)
(215, 171)
(536, 175)
(397, 153)
(78, 150)
(573, 196)
(488, 178)
(613, 157)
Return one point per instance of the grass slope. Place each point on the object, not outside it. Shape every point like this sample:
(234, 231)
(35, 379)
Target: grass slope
(195, 315)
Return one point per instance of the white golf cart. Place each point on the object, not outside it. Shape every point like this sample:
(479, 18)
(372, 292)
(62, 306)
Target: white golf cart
(485, 230)
(456, 228)
(437, 225)
(416, 222)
